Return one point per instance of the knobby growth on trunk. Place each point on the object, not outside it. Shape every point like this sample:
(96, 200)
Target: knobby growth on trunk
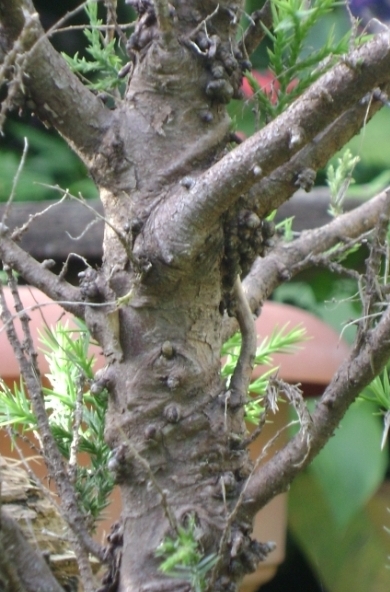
(185, 220)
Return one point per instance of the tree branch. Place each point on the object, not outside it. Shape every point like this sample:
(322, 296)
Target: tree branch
(272, 191)
(40, 277)
(213, 192)
(285, 260)
(59, 96)
(288, 259)
(351, 378)
(368, 357)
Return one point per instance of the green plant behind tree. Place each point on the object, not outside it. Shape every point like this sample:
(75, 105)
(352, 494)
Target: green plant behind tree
(105, 64)
(76, 415)
(294, 64)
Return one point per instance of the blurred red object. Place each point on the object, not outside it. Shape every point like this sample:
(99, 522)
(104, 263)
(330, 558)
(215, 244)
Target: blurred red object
(267, 82)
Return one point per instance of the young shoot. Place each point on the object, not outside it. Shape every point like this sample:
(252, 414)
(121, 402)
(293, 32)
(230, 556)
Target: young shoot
(339, 179)
(183, 557)
(283, 228)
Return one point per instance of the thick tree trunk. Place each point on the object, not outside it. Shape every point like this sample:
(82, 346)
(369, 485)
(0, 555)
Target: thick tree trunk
(168, 404)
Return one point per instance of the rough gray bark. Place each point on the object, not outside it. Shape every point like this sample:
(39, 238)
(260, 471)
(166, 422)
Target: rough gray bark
(175, 201)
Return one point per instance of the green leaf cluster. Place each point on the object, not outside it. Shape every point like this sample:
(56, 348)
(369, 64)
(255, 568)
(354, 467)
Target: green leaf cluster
(70, 374)
(293, 62)
(280, 341)
(105, 63)
(183, 556)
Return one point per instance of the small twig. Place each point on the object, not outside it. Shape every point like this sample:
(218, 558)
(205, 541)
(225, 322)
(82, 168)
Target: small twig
(373, 293)
(102, 28)
(243, 371)
(258, 429)
(15, 182)
(110, 20)
(295, 396)
(67, 16)
(326, 259)
(65, 265)
(122, 238)
(28, 346)
(84, 232)
(203, 23)
(112, 26)
(18, 232)
(39, 305)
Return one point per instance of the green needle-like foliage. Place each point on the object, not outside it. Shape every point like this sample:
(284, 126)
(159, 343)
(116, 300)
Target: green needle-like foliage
(70, 375)
(339, 179)
(183, 556)
(292, 61)
(105, 63)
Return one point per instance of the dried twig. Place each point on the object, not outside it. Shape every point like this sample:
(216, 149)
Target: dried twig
(373, 292)
(121, 236)
(18, 232)
(15, 182)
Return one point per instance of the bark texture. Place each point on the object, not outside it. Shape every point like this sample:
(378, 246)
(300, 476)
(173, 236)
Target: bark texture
(183, 219)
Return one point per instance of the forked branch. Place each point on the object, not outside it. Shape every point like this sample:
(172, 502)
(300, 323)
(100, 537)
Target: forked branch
(221, 185)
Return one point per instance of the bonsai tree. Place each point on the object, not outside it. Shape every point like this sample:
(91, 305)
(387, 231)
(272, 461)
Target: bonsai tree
(189, 258)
